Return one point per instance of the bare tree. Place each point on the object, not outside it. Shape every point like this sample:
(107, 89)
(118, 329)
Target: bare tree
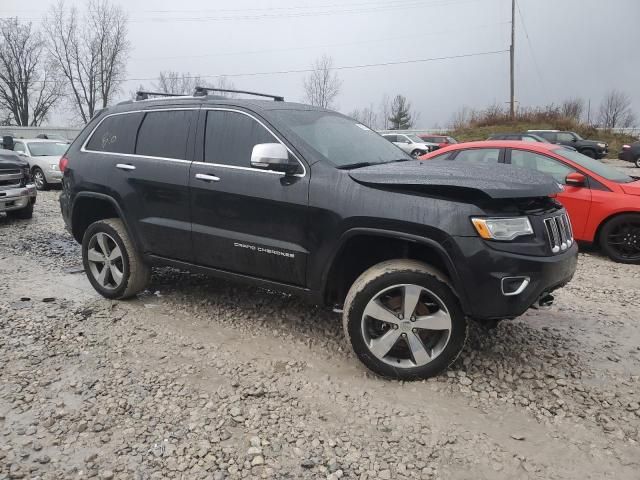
(28, 88)
(367, 116)
(180, 83)
(90, 52)
(572, 108)
(322, 85)
(385, 112)
(400, 118)
(615, 111)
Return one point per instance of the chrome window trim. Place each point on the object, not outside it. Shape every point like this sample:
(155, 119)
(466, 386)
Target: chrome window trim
(226, 109)
(84, 149)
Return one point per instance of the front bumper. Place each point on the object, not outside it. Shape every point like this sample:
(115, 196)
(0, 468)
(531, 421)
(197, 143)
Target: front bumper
(53, 176)
(17, 198)
(482, 270)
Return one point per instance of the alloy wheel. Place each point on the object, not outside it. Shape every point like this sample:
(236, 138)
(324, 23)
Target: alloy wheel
(106, 262)
(625, 239)
(38, 178)
(406, 326)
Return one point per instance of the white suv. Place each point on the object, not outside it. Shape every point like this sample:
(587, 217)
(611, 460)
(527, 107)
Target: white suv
(411, 144)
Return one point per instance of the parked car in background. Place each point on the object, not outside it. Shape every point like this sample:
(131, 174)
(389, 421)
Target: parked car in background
(53, 136)
(441, 140)
(590, 148)
(603, 202)
(43, 157)
(411, 144)
(521, 137)
(631, 153)
(17, 193)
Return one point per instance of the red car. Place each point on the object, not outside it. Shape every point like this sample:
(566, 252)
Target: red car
(603, 203)
(441, 140)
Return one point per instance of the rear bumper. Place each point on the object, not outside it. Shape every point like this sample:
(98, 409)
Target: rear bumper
(482, 275)
(17, 198)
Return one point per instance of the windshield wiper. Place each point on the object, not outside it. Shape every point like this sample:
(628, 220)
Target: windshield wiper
(399, 160)
(349, 166)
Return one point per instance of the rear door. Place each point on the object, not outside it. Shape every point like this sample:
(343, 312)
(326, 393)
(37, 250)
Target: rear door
(246, 220)
(149, 155)
(577, 200)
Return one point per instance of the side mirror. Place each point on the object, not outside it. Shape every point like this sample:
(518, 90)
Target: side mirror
(575, 179)
(7, 142)
(273, 156)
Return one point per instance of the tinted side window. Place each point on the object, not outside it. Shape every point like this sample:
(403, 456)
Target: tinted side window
(116, 134)
(541, 163)
(550, 136)
(391, 138)
(565, 137)
(479, 155)
(231, 136)
(19, 147)
(165, 134)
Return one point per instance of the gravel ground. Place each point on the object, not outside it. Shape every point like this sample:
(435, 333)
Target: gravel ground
(198, 378)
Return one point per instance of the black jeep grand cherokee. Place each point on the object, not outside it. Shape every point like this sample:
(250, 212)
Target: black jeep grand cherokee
(306, 200)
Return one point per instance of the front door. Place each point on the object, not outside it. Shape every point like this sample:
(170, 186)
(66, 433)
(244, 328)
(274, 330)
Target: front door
(246, 220)
(577, 200)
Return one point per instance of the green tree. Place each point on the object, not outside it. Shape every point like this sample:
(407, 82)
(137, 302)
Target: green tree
(400, 118)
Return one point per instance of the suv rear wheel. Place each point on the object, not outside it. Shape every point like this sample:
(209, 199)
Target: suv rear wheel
(113, 266)
(403, 322)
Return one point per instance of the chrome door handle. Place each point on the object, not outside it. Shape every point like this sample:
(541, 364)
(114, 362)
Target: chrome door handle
(207, 178)
(125, 166)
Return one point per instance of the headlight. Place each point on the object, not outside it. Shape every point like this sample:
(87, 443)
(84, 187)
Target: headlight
(602, 145)
(54, 166)
(502, 228)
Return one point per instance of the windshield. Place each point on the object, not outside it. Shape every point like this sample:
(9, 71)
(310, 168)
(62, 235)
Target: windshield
(415, 139)
(577, 136)
(44, 149)
(340, 140)
(451, 140)
(595, 166)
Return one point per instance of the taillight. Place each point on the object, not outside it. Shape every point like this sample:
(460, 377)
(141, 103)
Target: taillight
(62, 164)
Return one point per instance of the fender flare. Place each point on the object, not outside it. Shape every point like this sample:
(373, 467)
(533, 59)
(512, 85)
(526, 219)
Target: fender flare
(450, 276)
(116, 206)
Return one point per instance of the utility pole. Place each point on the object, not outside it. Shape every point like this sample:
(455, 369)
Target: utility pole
(512, 102)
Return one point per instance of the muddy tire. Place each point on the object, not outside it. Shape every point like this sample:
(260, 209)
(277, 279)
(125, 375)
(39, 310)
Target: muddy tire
(403, 321)
(112, 264)
(23, 214)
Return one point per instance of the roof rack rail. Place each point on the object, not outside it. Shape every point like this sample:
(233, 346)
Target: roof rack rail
(142, 95)
(202, 91)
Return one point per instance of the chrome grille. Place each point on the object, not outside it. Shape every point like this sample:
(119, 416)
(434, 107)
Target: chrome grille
(11, 178)
(559, 232)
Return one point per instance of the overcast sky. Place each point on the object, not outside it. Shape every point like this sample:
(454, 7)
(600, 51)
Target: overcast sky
(574, 47)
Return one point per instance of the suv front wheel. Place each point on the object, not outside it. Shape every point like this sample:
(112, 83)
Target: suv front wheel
(112, 264)
(403, 322)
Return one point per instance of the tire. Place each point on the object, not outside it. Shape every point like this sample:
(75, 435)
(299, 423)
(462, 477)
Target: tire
(589, 153)
(620, 238)
(637, 162)
(39, 179)
(416, 153)
(23, 214)
(388, 284)
(119, 274)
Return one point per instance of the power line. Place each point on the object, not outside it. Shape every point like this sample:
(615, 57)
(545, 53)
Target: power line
(361, 8)
(310, 47)
(307, 70)
(526, 34)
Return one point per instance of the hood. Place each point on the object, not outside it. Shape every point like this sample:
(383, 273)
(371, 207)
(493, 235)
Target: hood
(632, 188)
(10, 160)
(436, 176)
